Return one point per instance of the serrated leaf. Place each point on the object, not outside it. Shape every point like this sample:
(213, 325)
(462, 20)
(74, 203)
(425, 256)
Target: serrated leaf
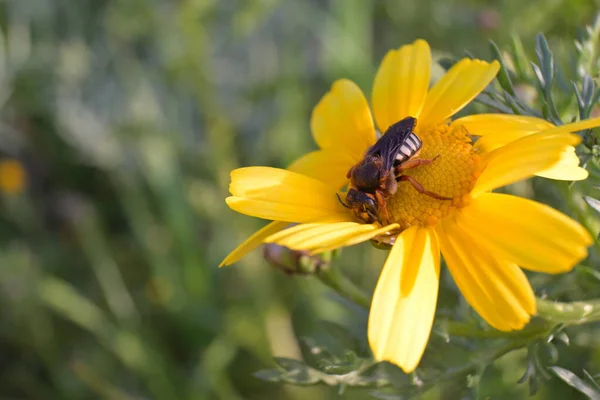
(297, 373)
(576, 382)
(289, 364)
(337, 365)
(345, 337)
(503, 75)
(313, 353)
(592, 202)
(269, 375)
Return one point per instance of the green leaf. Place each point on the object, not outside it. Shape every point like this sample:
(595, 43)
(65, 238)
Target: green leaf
(447, 62)
(546, 60)
(487, 100)
(595, 204)
(587, 98)
(520, 58)
(269, 375)
(591, 379)
(563, 337)
(550, 353)
(346, 338)
(576, 382)
(313, 353)
(580, 101)
(503, 75)
(297, 372)
(589, 271)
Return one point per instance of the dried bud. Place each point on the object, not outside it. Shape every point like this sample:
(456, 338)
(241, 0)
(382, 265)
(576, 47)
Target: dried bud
(296, 262)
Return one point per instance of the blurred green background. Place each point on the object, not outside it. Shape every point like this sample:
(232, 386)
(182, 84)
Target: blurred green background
(126, 117)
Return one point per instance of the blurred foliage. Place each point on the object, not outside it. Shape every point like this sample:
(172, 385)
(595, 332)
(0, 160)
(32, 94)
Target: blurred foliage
(124, 118)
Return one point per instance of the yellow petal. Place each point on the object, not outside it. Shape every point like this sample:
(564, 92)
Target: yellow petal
(329, 166)
(320, 236)
(575, 126)
(498, 290)
(498, 130)
(522, 159)
(465, 80)
(400, 324)
(356, 238)
(525, 232)
(567, 168)
(253, 242)
(281, 195)
(401, 83)
(501, 124)
(342, 120)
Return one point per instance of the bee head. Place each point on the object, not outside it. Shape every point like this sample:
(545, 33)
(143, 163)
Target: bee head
(363, 205)
(367, 174)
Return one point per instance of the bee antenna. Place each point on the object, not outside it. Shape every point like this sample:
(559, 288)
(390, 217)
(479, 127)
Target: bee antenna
(340, 199)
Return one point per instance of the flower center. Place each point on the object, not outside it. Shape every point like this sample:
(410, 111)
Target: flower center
(453, 174)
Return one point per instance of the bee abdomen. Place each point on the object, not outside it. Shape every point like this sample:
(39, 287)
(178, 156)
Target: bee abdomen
(409, 148)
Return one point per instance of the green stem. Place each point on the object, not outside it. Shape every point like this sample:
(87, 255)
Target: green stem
(333, 278)
(537, 327)
(573, 313)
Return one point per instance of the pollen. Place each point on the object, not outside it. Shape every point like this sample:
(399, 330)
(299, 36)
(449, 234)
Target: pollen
(453, 174)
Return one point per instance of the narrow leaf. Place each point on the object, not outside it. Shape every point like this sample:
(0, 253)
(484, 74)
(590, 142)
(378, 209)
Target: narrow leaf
(576, 382)
(591, 379)
(446, 62)
(269, 375)
(546, 59)
(520, 57)
(503, 75)
(595, 204)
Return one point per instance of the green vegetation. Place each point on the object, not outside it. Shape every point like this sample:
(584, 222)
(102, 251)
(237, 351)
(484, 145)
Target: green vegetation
(128, 115)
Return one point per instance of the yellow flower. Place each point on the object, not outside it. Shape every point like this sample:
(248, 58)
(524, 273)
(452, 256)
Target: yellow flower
(484, 237)
(12, 176)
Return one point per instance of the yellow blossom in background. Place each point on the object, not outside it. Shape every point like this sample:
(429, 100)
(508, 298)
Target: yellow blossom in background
(484, 237)
(13, 177)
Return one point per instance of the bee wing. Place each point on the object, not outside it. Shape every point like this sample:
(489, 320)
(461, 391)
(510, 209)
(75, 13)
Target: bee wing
(388, 146)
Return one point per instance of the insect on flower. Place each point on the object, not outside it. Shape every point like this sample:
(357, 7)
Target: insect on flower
(375, 178)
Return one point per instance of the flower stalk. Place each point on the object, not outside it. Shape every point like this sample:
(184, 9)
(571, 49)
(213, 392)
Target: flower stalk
(548, 312)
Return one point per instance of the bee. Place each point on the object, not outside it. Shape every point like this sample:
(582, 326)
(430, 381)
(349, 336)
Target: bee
(375, 178)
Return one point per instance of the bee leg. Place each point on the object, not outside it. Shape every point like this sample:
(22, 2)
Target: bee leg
(420, 187)
(374, 217)
(382, 206)
(389, 184)
(413, 163)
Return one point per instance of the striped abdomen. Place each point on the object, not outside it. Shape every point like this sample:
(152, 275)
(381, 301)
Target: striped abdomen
(409, 148)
